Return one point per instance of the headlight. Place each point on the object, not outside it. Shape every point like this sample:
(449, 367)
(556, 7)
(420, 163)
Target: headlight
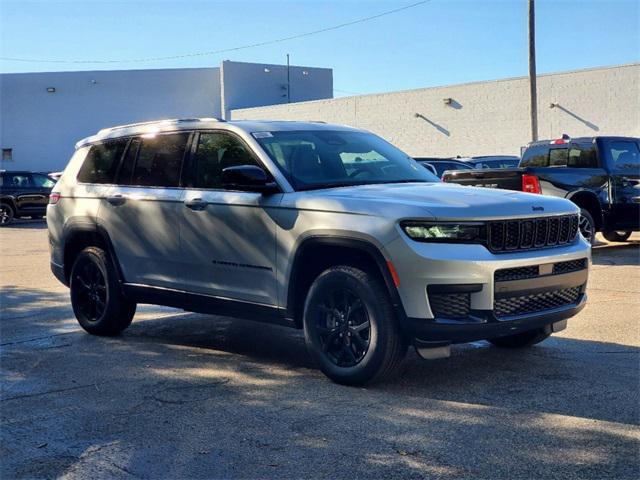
(445, 232)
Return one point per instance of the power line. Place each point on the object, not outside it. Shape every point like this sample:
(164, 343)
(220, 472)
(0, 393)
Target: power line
(225, 50)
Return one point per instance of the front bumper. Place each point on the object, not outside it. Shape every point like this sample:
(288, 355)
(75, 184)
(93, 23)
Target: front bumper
(495, 306)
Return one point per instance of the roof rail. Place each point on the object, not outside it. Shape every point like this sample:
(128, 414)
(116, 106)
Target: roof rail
(160, 122)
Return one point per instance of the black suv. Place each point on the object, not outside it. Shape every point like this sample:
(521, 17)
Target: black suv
(23, 194)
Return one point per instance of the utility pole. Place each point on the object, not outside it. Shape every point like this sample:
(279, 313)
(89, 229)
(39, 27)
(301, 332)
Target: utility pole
(288, 82)
(533, 90)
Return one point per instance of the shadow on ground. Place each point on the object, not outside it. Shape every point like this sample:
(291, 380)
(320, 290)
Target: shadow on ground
(185, 395)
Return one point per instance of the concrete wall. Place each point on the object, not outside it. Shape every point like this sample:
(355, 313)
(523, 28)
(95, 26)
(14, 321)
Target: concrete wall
(42, 128)
(253, 84)
(486, 117)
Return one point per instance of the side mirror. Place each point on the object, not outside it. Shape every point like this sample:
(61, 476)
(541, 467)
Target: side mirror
(249, 178)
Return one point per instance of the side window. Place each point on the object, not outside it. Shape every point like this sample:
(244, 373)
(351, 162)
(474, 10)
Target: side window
(535, 156)
(216, 151)
(558, 157)
(582, 156)
(160, 160)
(625, 154)
(102, 161)
(42, 181)
(128, 162)
(16, 180)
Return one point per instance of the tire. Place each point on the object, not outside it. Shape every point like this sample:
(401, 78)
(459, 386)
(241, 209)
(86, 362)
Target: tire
(96, 297)
(344, 294)
(521, 340)
(7, 214)
(587, 226)
(615, 236)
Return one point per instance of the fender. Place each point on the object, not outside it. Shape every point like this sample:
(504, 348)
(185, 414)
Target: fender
(84, 225)
(593, 197)
(347, 242)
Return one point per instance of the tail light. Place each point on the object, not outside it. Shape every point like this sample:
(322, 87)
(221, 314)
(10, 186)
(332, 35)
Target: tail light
(530, 184)
(53, 198)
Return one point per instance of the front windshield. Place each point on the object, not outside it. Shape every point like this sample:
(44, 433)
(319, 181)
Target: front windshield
(312, 159)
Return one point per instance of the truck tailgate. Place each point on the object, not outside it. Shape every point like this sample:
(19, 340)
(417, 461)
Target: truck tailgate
(503, 178)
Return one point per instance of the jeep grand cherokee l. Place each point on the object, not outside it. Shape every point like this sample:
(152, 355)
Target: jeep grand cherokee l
(321, 227)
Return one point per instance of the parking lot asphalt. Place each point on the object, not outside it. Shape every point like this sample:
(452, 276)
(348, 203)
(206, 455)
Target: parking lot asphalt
(183, 395)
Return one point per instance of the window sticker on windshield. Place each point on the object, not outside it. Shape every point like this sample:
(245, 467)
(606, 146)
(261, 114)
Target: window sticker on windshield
(262, 134)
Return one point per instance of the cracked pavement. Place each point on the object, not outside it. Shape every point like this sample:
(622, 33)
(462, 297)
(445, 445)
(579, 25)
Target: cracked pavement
(183, 395)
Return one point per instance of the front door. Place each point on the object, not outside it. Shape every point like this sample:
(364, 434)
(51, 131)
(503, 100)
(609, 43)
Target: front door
(142, 211)
(624, 165)
(228, 239)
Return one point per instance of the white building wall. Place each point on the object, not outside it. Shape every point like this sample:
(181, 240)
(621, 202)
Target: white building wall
(484, 118)
(255, 84)
(42, 128)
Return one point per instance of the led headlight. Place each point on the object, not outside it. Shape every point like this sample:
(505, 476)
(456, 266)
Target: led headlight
(445, 232)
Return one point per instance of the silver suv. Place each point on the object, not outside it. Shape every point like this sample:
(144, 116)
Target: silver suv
(321, 227)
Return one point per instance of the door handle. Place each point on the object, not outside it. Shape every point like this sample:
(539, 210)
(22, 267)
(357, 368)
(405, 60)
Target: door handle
(635, 199)
(195, 204)
(116, 200)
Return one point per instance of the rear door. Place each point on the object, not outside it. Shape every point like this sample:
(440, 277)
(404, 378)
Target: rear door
(623, 158)
(42, 186)
(228, 237)
(142, 211)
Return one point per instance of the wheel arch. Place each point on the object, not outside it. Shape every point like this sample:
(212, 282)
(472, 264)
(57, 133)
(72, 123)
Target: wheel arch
(317, 253)
(589, 201)
(81, 234)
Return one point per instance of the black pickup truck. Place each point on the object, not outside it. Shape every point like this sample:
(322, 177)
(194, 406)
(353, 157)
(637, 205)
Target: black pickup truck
(599, 174)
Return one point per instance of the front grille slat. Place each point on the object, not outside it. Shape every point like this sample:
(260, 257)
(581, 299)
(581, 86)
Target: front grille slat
(539, 302)
(527, 234)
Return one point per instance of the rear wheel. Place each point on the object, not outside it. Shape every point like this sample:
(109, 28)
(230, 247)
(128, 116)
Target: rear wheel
(587, 226)
(615, 236)
(521, 340)
(6, 214)
(96, 297)
(350, 327)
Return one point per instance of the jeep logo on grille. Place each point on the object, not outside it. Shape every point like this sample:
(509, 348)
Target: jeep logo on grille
(537, 209)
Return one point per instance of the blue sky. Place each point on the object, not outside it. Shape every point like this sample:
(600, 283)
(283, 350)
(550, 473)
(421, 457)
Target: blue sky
(438, 43)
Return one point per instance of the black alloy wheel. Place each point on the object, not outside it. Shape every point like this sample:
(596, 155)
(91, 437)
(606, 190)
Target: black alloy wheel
(96, 294)
(350, 326)
(90, 292)
(343, 327)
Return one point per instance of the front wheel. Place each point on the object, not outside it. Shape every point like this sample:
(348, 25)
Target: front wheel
(350, 327)
(614, 236)
(521, 340)
(587, 226)
(6, 214)
(96, 297)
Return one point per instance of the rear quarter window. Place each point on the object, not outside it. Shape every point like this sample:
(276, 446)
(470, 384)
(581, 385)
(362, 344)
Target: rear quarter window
(535, 156)
(102, 161)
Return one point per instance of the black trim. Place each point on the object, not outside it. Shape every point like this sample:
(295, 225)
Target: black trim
(546, 283)
(485, 325)
(207, 304)
(457, 288)
(358, 244)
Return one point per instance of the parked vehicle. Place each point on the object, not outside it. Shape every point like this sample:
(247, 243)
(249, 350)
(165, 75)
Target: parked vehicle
(320, 227)
(23, 194)
(601, 175)
(493, 161)
(440, 165)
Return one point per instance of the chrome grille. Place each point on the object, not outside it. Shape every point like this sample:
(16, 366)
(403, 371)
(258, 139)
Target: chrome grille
(525, 234)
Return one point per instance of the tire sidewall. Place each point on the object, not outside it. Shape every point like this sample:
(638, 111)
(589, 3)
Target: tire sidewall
(90, 255)
(11, 214)
(589, 217)
(373, 359)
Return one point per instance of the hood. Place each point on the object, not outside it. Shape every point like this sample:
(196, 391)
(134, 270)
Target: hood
(433, 200)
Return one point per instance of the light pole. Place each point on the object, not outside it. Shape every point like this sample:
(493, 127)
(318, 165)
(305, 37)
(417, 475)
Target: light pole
(533, 91)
